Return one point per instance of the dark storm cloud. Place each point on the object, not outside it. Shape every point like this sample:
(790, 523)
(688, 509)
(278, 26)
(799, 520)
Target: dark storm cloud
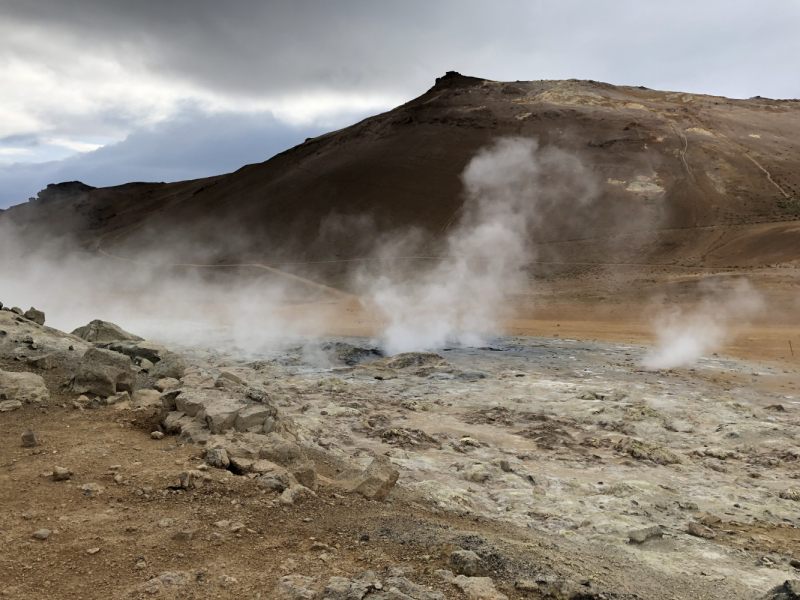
(192, 146)
(254, 47)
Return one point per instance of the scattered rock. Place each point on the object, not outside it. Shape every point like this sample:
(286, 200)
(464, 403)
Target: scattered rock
(45, 362)
(99, 331)
(61, 474)
(374, 483)
(104, 373)
(21, 387)
(642, 450)
(157, 435)
(294, 587)
(464, 562)
(699, 530)
(92, 551)
(29, 439)
(118, 398)
(475, 588)
(145, 398)
(9, 405)
(34, 315)
(166, 384)
(226, 379)
(788, 590)
(641, 535)
(42, 534)
(218, 457)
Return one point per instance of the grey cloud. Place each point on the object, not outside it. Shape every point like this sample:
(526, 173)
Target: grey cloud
(255, 48)
(191, 146)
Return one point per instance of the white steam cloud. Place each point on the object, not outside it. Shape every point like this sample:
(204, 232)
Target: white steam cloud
(511, 190)
(684, 336)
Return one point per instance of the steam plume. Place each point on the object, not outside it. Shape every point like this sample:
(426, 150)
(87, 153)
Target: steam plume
(684, 336)
(512, 188)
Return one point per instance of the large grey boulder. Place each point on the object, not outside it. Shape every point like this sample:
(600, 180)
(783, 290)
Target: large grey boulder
(102, 331)
(37, 316)
(104, 373)
(22, 387)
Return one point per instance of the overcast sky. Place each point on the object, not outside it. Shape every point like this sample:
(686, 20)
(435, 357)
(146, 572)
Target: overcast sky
(109, 91)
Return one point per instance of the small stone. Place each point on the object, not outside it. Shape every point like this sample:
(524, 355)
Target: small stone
(29, 439)
(166, 522)
(505, 466)
(93, 551)
(61, 474)
(184, 535)
(464, 562)
(157, 435)
(42, 534)
(639, 536)
(699, 530)
(9, 405)
(218, 457)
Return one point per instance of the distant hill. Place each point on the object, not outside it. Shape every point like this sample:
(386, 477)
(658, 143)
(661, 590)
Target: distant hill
(682, 178)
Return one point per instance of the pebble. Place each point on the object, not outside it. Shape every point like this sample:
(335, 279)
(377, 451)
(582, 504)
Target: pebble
(61, 474)
(157, 435)
(93, 551)
(29, 439)
(42, 534)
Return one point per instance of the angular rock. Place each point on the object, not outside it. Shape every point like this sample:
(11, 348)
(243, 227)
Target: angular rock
(699, 530)
(137, 349)
(295, 587)
(34, 315)
(639, 536)
(118, 398)
(337, 588)
(252, 418)
(46, 362)
(17, 310)
(42, 534)
(220, 414)
(98, 331)
(29, 439)
(412, 590)
(218, 457)
(9, 405)
(145, 398)
(22, 387)
(166, 384)
(173, 421)
(257, 394)
(104, 373)
(788, 590)
(464, 562)
(171, 366)
(374, 483)
(305, 474)
(226, 379)
(478, 588)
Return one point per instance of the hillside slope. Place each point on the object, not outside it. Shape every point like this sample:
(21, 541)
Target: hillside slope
(682, 179)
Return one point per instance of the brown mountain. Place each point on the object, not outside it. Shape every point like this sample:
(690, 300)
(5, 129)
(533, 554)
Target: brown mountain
(701, 180)
(688, 188)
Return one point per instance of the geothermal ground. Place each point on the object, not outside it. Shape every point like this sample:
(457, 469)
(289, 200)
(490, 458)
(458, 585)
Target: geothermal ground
(567, 469)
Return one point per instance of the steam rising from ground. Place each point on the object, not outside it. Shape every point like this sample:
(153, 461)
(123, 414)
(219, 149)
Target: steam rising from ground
(161, 303)
(511, 188)
(684, 336)
(513, 191)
